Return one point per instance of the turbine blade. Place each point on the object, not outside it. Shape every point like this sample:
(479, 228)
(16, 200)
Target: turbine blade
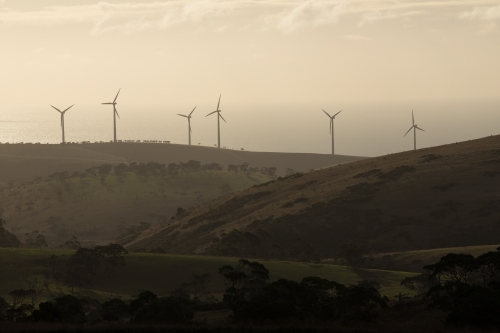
(412, 118)
(219, 102)
(68, 108)
(182, 115)
(210, 113)
(222, 118)
(117, 95)
(326, 113)
(192, 111)
(106, 103)
(116, 112)
(419, 128)
(56, 108)
(337, 113)
(409, 130)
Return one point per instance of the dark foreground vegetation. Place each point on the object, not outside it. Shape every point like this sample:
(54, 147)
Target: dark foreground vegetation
(459, 290)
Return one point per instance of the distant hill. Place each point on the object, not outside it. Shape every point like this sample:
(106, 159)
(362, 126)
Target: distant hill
(21, 163)
(430, 198)
(100, 204)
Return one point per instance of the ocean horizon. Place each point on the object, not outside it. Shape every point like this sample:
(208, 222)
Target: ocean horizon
(272, 128)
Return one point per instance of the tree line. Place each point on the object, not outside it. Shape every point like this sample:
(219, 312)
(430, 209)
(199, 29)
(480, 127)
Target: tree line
(464, 287)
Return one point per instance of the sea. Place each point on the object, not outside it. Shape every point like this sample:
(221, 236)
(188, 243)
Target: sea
(363, 128)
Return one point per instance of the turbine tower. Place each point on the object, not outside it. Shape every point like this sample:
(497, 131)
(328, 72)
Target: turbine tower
(115, 113)
(331, 128)
(415, 128)
(219, 116)
(62, 119)
(189, 123)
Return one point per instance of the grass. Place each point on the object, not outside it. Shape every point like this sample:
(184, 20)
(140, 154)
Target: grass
(415, 260)
(96, 210)
(163, 273)
(398, 202)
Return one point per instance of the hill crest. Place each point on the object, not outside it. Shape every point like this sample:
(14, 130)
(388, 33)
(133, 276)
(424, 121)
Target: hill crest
(435, 197)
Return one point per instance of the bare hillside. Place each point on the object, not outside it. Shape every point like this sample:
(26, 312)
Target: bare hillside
(430, 198)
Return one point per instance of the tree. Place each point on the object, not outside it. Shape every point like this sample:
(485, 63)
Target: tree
(166, 310)
(83, 266)
(35, 239)
(104, 169)
(71, 244)
(243, 281)
(37, 288)
(489, 267)
(19, 295)
(6, 238)
(197, 286)
(351, 254)
(420, 284)
(65, 309)
(114, 310)
(244, 167)
(455, 267)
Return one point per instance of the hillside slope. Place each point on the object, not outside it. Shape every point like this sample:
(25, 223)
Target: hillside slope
(99, 208)
(437, 197)
(21, 163)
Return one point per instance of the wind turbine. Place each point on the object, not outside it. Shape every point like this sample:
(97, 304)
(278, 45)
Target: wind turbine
(189, 123)
(218, 121)
(115, 113)
(62, 119)
(415, 128)
(331, 128)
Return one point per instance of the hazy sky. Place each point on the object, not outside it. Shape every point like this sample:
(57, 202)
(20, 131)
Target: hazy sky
(266, 51)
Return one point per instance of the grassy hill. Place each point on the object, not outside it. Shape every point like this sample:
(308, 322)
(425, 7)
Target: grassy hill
(21, 163)
(99, 208)
(430, 198)
(164, 273)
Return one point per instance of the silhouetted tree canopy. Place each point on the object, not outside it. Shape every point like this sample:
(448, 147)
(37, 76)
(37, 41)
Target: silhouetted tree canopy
(6, 238)
(35, 239)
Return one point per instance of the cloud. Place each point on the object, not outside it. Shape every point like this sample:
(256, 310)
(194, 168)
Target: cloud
(387, 15)
(121, 16)
(307, 14)
(286, 16)
(356, 37)
(482, 13)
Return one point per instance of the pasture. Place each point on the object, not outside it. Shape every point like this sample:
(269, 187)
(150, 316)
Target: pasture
(163, 273)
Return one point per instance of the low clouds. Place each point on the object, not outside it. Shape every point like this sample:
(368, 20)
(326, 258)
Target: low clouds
(125, 17)
(308, 14)
(483, 13)
(286, 16)
(356, 37)
(388, 15)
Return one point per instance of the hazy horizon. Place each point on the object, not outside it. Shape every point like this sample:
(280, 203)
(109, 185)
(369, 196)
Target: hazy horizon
(276, 64)
(371, 129)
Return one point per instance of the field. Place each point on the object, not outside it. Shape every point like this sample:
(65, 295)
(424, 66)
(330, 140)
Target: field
(413, 261)
(98, 208)
(164, 273)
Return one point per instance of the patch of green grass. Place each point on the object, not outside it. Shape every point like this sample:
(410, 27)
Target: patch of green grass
(414, 261)
(162, 273)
